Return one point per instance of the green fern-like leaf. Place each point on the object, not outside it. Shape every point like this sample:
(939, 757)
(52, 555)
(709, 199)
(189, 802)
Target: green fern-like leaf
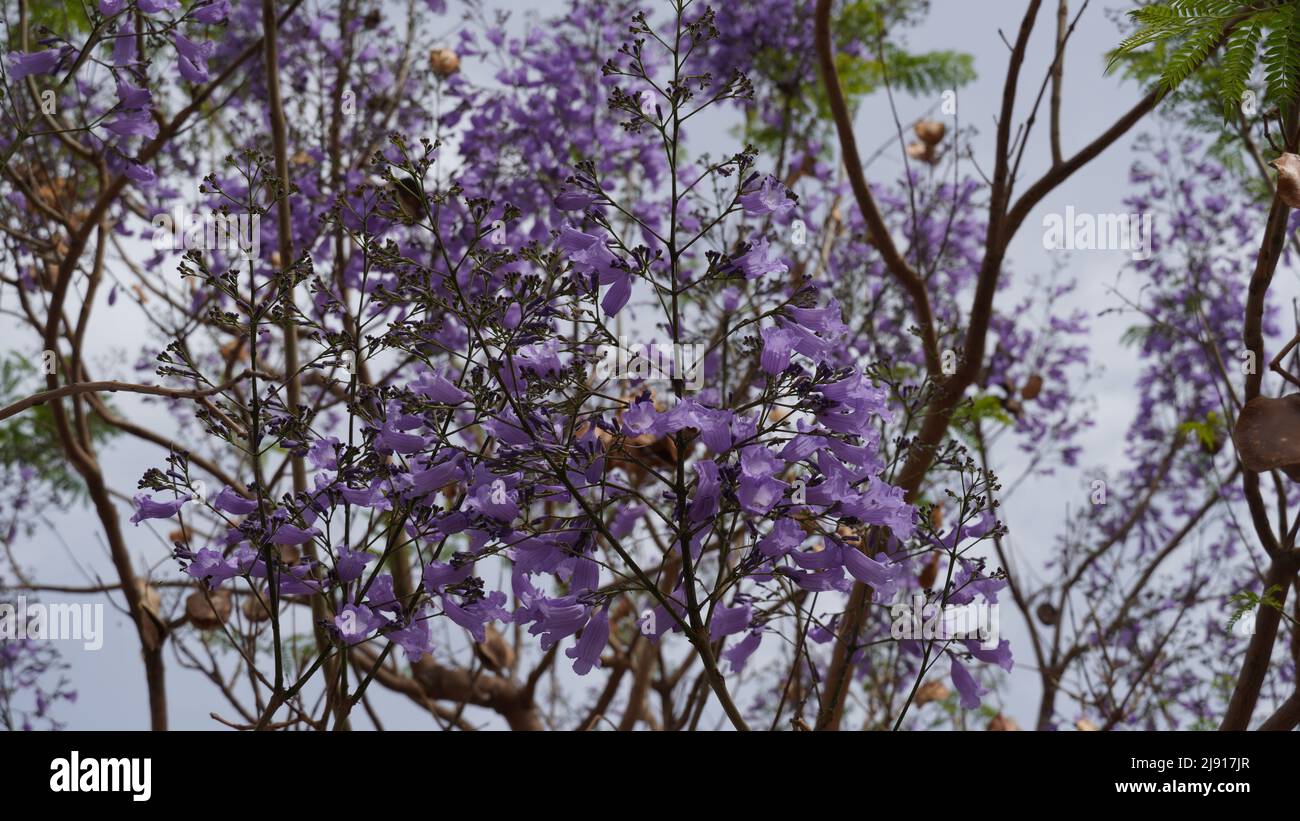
(1282, 55)
(1238, 61)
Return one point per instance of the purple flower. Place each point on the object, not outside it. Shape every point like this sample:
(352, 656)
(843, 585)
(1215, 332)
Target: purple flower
(155, 6)
(881, 577)
(110, 7)
(211, 12)
(393, 441)
(739, 653)
(553, 619)
(192, 57)
(772, 197)
(148, 508)
(211, 567)
(355, 622)
(759, 490)
(759, 260)
(475, 617)
(350, 564)
(494, 500)
(322, 453)
(969, 689)
(37, 62)
(290, 534)
(778, 345)
(618, 294)
(231, 502)
(437, 388)
(1001, 655)
(380, 596)
(438, 575)
(586, 653)
(415, 638)
(729, 620)
(574, 201)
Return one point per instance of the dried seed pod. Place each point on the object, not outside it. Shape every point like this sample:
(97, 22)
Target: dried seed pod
(930, 572)
(930, 132)
(1032, 387)
(1086, 726)
(207, 615)
(255, 609)
(933, 690)
(149, 596)
(1047, 614)
(495, 652)
(1003, 724)
(180, 534)
(922, 152)
(1267, 434)
(1288, 178)
(444, 62)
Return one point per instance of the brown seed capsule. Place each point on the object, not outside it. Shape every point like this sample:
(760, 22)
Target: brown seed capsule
(444, 62)
(1003, 724)
(205, 615)
(1032, 387)
(180, 534)
(1267, 434)
(930, 572)
(1288, 178)
(1047, 614)
(149, 596)
(932, 691)
(929, 131)
(495, 652)
(1084, 725)
(255, 609)
(924, 153)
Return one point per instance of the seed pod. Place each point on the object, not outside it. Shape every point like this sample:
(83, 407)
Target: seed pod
(933, 690)
(444, 62)
(495, 652)
(1086, 726)
(1267, 434)
(1288, 178)
(205, 615)
(254, 609)
(1003, 724)
(1032, 387)
(929, 131)
(930, 572)
(148, 595)
(1047, 614)
(924, 153)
